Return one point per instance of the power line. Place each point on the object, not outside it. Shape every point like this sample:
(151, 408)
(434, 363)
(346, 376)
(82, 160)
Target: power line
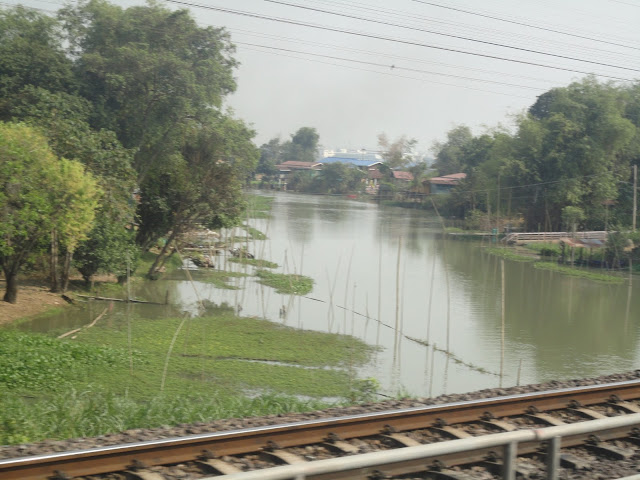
(379, 37)
(459, 37)
(528, 24)
(392, 67)
(510, 95)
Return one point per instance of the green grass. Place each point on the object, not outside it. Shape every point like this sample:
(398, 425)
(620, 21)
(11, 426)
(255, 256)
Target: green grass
(256, 262)
(576, 272)
(219, 278)
(509, 254)
(258, 206)
(545, 249)
(109, 378)
(254, 233)
(286, 283)
(563, 269)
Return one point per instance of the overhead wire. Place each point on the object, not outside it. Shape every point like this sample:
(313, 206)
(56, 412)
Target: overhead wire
(389, 39)
(529, 25)
(459, 37)
(396, 58)
(511, 95)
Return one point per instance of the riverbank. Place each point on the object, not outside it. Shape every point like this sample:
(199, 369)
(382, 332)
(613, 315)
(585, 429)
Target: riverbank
(33, 299)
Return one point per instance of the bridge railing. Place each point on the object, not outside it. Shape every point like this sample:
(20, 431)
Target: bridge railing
(516, 237)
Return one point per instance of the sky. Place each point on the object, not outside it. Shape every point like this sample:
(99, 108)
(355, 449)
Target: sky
(354, 69)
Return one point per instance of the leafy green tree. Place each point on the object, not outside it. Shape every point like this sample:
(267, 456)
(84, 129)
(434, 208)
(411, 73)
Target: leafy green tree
(149, 72)
(574, 144)
(270, 156)
(338, 178)
(40, 194)
(63, 118)
(449, 156)
(201, 186)
(302, 147)
(31, 53)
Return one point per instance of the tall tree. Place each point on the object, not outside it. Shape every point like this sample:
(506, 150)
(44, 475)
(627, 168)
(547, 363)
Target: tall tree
(202, 185)
(303, 145)
(449, 156)
(31, 53)
(40, 194)
(148, 71)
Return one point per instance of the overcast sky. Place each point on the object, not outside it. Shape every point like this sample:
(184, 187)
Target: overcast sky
(355, 69)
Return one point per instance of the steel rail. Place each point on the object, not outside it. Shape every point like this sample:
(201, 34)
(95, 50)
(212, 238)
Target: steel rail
(395, 461)
(176, 450)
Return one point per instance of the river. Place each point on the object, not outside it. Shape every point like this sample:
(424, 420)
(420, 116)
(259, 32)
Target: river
(387, 276)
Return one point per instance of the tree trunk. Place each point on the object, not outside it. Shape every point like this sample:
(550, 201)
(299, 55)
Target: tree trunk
(53, 262)
(64, 278)
(11, 291)
(153, 268)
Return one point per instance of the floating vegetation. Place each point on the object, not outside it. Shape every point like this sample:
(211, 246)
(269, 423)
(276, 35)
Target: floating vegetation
(256, 262)
(286, 284)
(258, 206)
(554, 267)
(508, 254)
(576, 272)
(220, 278)
(254, 233)
(453, 357)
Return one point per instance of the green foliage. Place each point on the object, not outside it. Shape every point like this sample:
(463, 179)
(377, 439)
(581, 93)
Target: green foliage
(30, 54)
(337, 178)
(256, 262)
(41, 193)
(258, 206)
(108, 378)
(220, 278)
(286, 283)
(254, 233)
(575, 272)
(33, 361)
(573, 150)
(302, 147)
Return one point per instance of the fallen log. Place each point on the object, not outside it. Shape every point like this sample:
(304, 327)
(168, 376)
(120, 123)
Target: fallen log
(107, 299)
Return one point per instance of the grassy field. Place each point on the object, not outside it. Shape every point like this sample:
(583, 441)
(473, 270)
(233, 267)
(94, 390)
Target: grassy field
(136, 373)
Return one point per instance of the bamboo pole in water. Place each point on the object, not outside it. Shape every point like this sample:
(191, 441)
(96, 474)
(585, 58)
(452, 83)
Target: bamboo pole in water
(398, 283)
(433, 272)
(502, 323)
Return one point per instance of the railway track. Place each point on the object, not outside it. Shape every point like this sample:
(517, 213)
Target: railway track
(471, 439)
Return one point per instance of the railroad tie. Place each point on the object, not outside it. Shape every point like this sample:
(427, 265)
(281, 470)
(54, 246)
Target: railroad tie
(587, 413)
(597, 446)
(274, 453)
(627, 407)
(400, 440)
(144, 475)
(546, 418)
(499, 425)
(215, 465)
(336, 444)
(451, 432)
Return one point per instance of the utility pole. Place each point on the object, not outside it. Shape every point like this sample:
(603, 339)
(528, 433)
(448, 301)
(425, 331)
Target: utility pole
(635, 195)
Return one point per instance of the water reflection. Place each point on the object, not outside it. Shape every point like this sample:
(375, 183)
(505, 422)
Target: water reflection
(388, 276)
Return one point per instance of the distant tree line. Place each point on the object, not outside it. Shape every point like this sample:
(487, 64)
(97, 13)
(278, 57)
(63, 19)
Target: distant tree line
(125, 109)
(567, 164)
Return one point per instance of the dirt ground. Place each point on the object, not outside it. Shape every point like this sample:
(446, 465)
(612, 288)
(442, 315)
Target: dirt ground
(32, 299)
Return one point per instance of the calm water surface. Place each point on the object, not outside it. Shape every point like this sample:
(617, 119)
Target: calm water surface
(386, 276)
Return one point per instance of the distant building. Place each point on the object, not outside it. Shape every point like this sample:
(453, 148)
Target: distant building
(445, 183)
(402, 177)
(285, 169)
(362, 160)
